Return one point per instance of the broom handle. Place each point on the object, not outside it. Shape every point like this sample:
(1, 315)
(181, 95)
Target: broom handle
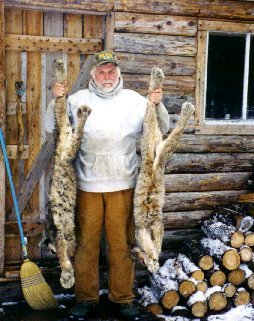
(13, 193)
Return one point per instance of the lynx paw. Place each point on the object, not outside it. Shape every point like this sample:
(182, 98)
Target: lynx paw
(187, 109)
(152, 265)
(84, 111)
(67, 278)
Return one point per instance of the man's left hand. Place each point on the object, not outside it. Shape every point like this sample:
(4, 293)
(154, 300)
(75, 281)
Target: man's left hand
(155, 96)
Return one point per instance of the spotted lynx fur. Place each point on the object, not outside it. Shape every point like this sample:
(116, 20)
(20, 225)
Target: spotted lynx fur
(63, 187)
(150, 188)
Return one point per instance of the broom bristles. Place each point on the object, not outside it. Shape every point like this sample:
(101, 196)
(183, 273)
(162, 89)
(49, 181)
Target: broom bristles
(36, 291)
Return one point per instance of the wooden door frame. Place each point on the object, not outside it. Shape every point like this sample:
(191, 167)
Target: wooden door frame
(2, 125)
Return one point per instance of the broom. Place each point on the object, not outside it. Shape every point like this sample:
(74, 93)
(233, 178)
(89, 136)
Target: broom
(36, 291)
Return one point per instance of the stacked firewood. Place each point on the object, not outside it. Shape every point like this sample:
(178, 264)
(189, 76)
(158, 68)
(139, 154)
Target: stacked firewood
(209, 275)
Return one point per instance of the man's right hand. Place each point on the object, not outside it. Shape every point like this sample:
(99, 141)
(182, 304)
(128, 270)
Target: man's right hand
(59, 89)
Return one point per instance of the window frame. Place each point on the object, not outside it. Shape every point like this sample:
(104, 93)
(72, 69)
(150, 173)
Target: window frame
(208, 127)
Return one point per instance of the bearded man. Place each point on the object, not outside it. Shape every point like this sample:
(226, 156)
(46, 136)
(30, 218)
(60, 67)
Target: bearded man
(106, 168)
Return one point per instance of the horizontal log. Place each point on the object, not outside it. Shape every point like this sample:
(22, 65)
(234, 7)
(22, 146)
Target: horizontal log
(155, 44)
(12, 152)
(210, 162)
(189, 128)
(212, 25)
(174, 238)
(173, 84)
(31, 228)
(159, 24)
(201, 8)
(223, 128)
(66, 6)
(206, 182)
(192, 201)
(173, 101)
(185, 219)
(212, 144)
(143, 64)
(52, 44)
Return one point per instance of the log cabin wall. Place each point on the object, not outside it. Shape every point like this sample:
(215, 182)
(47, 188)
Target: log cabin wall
(206, 170)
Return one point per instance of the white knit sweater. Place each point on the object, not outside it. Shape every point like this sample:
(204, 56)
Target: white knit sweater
(107, 160)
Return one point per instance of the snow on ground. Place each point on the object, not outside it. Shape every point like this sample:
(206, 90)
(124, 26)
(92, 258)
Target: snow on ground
(240, 313)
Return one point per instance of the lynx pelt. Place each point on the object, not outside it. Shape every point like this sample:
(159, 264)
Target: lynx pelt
(150, 189)
(63, 188)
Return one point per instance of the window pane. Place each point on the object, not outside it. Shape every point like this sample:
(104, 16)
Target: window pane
(225, 74)
(250, 104)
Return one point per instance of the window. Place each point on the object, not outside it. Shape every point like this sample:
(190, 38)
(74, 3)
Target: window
(225, 79)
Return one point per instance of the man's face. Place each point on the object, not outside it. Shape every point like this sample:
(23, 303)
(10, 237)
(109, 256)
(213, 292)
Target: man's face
(106, 76)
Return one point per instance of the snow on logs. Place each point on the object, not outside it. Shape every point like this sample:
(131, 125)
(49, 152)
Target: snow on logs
(211, 274)
(194, 252)
(227, 256)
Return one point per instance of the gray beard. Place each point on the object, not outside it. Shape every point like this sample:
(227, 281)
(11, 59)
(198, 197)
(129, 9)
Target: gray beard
(105, 92)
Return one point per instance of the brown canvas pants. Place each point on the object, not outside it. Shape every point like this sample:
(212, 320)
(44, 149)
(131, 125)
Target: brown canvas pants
(114, 210)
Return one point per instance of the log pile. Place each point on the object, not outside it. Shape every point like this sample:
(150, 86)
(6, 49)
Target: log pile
(210, 275)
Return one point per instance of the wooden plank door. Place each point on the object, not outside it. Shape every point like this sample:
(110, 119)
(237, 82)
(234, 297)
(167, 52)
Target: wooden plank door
(34, 39)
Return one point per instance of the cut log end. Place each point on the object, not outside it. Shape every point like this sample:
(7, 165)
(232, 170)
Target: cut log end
(242, 298)
(187, 288)
(206, 262)
(246, 253)
(202, 286)
(236, 277)
(250, 282)
(217, 301)
(170, 299)
(199, 309)
(231, 260)
(229, 290)
(249, 239)
(217, 278)
(198, 275)
(237, 239)
(154, 308)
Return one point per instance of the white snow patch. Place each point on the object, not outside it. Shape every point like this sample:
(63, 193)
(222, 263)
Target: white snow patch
(246, 270)
(178, 307)
(216, 247)
(213, 289)
(168, 318)
(240, 313)
(10, 303)
(103, 291)
(64, 296)
(188, 265)
(196, 297)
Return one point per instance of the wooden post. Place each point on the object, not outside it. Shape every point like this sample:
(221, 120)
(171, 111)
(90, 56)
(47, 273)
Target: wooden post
(109, 30)
(2, 123)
